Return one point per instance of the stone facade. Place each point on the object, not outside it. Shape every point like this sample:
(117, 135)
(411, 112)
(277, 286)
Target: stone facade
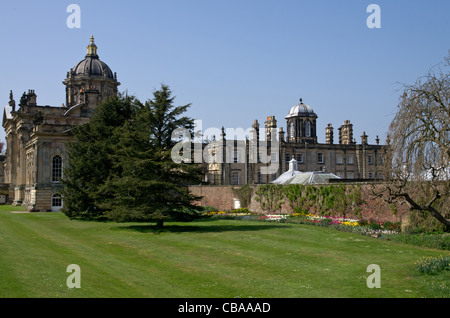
(255, 160)
(37, 136)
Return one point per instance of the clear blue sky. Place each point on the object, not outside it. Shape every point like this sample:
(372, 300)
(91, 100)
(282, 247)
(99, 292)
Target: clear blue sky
(234, 60)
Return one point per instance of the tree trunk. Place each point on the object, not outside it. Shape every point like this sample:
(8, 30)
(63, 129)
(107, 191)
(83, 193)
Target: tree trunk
(440, 218)
(435, 213)
(159, 224)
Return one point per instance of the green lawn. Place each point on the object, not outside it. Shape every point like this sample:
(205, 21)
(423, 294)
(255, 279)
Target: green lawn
(221, 258)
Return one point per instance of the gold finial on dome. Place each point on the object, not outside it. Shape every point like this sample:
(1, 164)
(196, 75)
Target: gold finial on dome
(92, 48)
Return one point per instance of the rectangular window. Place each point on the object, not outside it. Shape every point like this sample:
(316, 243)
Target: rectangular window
(350, 159)
(370, 159)
(339, 159)
(259, 178)
(370, 175)
(56, 168)
(288, 157)
(235, 178)
(274, 157)
(236, 157)
(350, 175)
(300, 158)
(320, 157)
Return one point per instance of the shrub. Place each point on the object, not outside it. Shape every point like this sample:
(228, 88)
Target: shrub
(363, 222)
(439, 241)
(422, 222)
(244, 194)
(433, 265)
(392, 226)
(374, 225)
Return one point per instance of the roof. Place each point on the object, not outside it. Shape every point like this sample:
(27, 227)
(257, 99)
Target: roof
(301, 110)
(313, 177)
(91, 65)
(288, 175)
(292, 172)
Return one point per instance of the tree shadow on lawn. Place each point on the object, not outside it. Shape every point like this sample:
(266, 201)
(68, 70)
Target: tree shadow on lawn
(151, 228)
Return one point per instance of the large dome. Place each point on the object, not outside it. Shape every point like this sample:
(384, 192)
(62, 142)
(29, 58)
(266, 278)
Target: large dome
(91, 65)
(301, 110)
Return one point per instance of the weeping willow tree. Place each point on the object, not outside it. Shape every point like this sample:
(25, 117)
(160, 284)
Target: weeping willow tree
(417, 159)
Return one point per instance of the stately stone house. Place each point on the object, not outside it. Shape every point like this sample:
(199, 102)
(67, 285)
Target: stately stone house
(241, 161)
(37, 135)
(37, 138)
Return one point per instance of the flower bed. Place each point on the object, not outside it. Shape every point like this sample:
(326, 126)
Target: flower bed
(327, 219)
(273, 217)
(232, 213)
(375, 229)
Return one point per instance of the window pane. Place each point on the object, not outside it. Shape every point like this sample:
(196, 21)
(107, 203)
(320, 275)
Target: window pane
(235, 179)
(307, 129)
(56, 200)
(320, 157)
(56, 168)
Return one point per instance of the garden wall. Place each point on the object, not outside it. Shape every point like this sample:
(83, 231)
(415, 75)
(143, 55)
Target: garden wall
(223, 198)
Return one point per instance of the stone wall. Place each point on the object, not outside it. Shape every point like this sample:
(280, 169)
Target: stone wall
(223, 198)
(220, 197)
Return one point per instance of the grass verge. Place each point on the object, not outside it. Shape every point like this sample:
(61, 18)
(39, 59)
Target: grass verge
(209, 258)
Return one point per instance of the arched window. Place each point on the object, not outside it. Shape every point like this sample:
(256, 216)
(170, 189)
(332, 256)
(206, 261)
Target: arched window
(56, 168)
(57, 202)
(307, 129)
(291, 130)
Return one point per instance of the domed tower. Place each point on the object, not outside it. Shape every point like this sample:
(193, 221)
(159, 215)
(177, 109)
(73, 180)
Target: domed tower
(89, 82)
(301, 124)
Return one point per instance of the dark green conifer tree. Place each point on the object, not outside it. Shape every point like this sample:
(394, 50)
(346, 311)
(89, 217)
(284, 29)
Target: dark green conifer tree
(145, 183)
(90, 160)
(120, 164)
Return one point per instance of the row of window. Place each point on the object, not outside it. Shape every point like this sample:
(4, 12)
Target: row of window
(307, 130)
(320, 158)
(339, 158)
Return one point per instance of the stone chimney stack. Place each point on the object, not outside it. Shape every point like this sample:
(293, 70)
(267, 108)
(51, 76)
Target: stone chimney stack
(271, 125)
(281, 135)
(364, 139)
(329, 135)
(32, 97)
(346, 133)
(255, 131)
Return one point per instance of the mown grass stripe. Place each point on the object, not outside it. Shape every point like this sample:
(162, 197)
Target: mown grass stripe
(222, 258)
